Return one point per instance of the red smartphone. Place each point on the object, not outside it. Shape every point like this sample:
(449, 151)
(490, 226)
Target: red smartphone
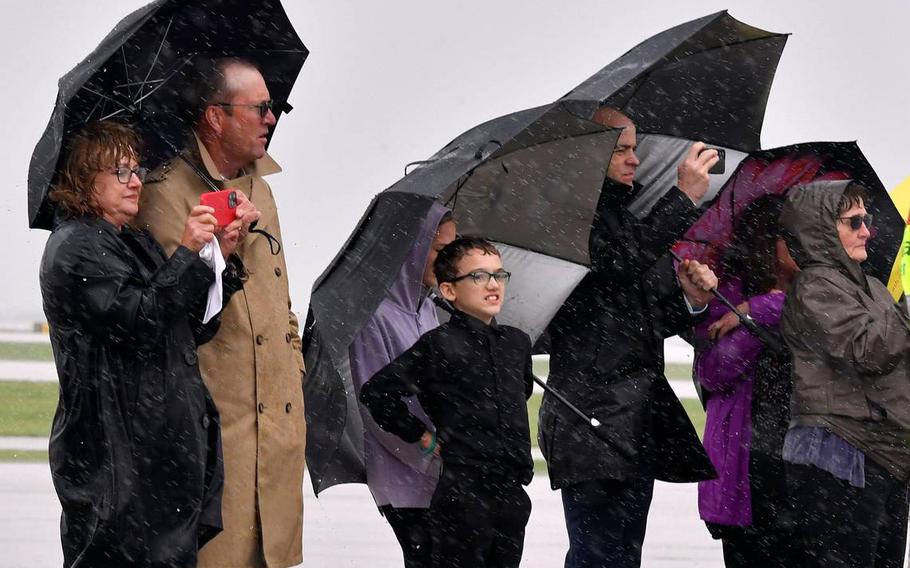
(224, 203)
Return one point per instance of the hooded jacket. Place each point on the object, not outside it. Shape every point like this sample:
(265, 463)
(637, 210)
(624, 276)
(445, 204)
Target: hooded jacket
(849, 340)
(398, 473)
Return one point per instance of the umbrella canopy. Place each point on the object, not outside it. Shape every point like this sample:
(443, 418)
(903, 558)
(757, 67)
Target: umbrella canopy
(139, 74)
(708, 79)
(530, 181)
(773, 172)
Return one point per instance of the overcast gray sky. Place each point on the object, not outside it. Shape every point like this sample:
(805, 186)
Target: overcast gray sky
(391, 82)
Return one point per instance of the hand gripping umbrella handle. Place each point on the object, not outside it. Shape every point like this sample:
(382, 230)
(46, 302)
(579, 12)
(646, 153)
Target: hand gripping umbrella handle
(770, 341)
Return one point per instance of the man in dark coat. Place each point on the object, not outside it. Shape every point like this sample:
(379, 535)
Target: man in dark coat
(607, 356)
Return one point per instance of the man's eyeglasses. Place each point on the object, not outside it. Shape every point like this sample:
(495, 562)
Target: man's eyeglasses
(482, 277)
(264, 107)
(124, 173)
(857, 221)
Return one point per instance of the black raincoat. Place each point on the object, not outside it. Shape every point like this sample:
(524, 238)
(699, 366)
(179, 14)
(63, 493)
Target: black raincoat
(135, 448)
(607, 353)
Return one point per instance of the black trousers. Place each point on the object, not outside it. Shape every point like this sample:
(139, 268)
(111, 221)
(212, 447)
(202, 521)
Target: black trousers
(413, 530)
(606, 521)
(478, 521)
(752, 547)
(841, 526)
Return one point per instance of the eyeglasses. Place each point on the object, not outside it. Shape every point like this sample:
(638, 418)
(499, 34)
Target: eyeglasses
(482, 277)
(264, 107)
(124, 173)
(857, 221)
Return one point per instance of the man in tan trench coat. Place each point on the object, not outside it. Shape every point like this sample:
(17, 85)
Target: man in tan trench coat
(254, 366)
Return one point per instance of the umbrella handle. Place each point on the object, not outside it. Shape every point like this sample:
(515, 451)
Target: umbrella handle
(746, 320)
(594, 423)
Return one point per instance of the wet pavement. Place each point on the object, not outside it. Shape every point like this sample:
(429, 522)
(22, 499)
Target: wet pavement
(343, 529)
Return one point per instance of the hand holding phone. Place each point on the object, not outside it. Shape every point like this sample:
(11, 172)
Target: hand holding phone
(224, 203)
(719, 167)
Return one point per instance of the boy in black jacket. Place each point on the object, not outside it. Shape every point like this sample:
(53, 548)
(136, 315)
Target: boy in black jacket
(473, 378)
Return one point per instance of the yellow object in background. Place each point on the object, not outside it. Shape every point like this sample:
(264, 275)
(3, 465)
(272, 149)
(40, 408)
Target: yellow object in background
(899, 281)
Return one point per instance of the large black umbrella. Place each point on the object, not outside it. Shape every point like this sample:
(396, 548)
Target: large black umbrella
(529, 181)
(139, 74)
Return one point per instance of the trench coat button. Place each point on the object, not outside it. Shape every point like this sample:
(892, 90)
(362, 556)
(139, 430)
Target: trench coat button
(277, 271)
(287, 408)
(260, 340)
(169, 279)
(190, 357)
(205, 421)
(261, 408)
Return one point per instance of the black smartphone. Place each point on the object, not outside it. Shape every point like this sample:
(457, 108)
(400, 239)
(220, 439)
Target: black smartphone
(720, 166)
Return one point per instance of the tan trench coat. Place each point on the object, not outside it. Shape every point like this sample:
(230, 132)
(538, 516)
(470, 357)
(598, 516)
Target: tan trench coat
(253, 368)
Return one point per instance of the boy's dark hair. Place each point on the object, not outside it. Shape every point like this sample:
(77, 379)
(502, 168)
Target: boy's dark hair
(853, 195)
(446, 265)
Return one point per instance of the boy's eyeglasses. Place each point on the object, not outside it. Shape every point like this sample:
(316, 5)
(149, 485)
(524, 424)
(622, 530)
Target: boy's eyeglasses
(124, 173)
(482, 277)
(857, 221)
(264, 107)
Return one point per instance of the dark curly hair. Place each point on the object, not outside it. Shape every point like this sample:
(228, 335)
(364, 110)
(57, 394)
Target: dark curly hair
(446, 265)
(97, 147)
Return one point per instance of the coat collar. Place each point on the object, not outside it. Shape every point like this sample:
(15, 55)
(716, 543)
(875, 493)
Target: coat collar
(617, 194)
(471, 323)
(262, 167)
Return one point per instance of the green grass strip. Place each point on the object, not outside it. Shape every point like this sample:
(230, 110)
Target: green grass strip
(23, 456)
(26, 408)
(26, 352)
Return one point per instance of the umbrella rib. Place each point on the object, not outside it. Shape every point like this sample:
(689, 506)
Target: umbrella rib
(155, 60)
(126, 71)
(162, 82)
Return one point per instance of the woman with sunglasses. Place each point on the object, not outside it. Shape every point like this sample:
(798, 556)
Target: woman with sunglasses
(746, 387)
(135, 448)
(847, 451)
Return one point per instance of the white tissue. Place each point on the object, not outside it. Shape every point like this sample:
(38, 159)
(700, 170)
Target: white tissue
(211, 256)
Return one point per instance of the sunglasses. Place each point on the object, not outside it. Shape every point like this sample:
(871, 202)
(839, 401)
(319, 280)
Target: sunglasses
(857, 221)
(124, 173)
(482, 277)
(264, 107)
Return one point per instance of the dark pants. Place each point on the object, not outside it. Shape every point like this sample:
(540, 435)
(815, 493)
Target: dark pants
(606, 521)
(478, 521)
(750, 547)
(842, 526)
(413, 531)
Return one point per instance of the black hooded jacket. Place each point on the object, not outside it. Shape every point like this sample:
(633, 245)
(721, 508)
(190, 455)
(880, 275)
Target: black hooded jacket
(135, 447)
(607, 352)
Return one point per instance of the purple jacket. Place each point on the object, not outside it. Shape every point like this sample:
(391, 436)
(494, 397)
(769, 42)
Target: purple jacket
(726, 371)
(398, 473)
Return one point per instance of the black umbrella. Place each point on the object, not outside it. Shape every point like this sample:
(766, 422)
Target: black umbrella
(140, 72)
(529, 181)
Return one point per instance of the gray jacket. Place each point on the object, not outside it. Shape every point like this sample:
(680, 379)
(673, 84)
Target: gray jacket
(849, 340)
